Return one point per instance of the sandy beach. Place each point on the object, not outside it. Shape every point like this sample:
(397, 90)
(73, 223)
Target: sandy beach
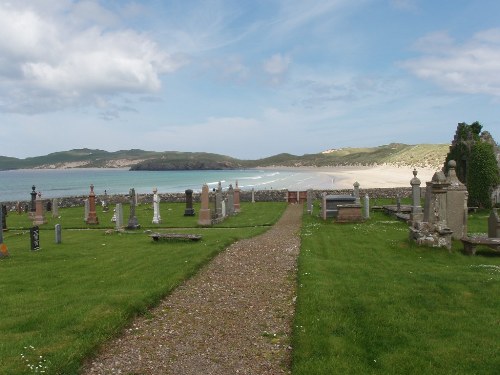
(380, 176)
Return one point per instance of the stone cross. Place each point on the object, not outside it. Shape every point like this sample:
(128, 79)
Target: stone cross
(92, 218)
(156, 207)
(204, 218)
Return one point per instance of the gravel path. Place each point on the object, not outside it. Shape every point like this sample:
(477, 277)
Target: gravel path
(233, 317)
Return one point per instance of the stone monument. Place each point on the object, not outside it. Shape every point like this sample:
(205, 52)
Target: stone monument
(237, 207)
(456, 203)
(189, 211)
(204, 217)
(57, 230)
(39, 217)
(92, 218)
(156, 207)
(132, 221)
(494, 224)
(55, 207)
(416, 210)
(33, 202)
(230, 201)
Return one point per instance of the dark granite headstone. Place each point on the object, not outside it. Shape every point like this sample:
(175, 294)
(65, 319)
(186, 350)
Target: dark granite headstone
(35, 238)
(189, 211)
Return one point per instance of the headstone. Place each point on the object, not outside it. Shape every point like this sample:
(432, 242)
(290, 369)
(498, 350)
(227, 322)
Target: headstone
(105, 206)
(309, 201)
(356, 192)
(494, 224)
(39, 217)
(156, 207)
(331, 203)
(456, 203)
(118, 216)
(218, 201)
(55, 207)
(237, 207)
(4, 252)
(204, 218)
(189, 211)
(19, 208)
(253, 195)
(49, 206)
(33, 202)
(87, 209)
(223, 208)
(132, 220)
(92, 218)
(57, 230)
(4, 216)
(35, 238)
(416, 210)
(366, 213)
(230, 201)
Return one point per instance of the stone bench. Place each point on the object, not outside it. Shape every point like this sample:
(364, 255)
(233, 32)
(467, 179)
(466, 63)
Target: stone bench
(470, 243)
(175, 236)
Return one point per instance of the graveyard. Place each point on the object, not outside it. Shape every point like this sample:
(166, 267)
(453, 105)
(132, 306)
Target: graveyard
(368, 299)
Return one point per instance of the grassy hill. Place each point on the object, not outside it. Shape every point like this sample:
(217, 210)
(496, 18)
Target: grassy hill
(422, 155)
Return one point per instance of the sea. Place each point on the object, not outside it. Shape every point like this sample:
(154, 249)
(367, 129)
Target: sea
(16, 185)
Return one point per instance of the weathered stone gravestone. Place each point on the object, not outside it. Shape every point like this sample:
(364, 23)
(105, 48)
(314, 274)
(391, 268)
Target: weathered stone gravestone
(132, 221)
(331, 203)
(204, 218)
(416, 210)
(189, 211)
(356, 192)
(3, 213)
(456, 203)
(48, 207)
(156, 207)
(309, 201)
(253, 195)
(223, 209)
(35, 238)
(230, 201)
(105, 205)
(218, 202)
(92, 218)
(58, 233)
(19, 208)
(39, 217)
(118, 216)
(55, 207)
(366, 212)
(237, 207)
(33, 202)
(86, 210)
(4, 252)
(494, 224)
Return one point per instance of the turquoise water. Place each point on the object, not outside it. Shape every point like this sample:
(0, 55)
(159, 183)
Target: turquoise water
(54, 183)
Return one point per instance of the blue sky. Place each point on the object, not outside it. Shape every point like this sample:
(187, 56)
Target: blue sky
(247, 78)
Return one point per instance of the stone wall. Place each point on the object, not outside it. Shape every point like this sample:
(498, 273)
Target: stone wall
(245, 196)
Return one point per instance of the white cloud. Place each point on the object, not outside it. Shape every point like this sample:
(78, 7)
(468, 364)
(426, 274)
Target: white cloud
(471, 67)
(47, 64)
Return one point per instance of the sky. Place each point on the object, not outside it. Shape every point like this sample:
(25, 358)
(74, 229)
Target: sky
(247, 78)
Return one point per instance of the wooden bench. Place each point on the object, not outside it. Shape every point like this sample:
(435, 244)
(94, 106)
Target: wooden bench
(175, 236)
(470, 243)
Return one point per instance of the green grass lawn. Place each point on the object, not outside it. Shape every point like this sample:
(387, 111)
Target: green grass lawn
(59, 303)
(369, 302)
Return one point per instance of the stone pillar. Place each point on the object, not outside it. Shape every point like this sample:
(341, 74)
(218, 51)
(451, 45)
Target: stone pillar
(132, 221)
(55, 207)
(4, 252)
(223, 208)
(189, 211)
(323, 206)
(156, 207)
(230, 201)
(356, 192)
(204, 218)
(86, 210)
(57, 230)
(253, 195)
(367, 207)
(33, 202)
(218, 201)
(456, 203)
(237, 207)
(105, 205)
(416, 209)
(92, 219)
(39, 218)
(118, 216)
(494, 224)
(309, 201)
